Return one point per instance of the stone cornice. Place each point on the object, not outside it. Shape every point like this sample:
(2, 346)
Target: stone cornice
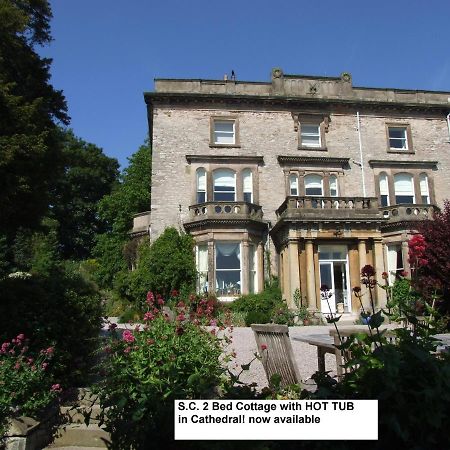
(312, 160)
(212, 223)
(245, 159)
(397, 163)
(289, 102)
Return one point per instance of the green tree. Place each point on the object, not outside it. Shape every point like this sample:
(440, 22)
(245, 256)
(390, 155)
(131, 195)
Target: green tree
(88, 175)
(130, 196)
(29, 108)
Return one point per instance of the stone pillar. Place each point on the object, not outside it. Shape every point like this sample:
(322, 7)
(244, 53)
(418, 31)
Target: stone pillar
(209, 187)
(211, 270)
(310, 276)
(294, 272)
(417, 194)
(260, 266)
(405, 256)
(244, 268)
(379, 269)
(362, 253)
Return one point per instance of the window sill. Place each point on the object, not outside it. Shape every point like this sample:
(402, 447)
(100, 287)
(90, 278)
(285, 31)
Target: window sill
(224, 146)
(317, 149)
(401, 152)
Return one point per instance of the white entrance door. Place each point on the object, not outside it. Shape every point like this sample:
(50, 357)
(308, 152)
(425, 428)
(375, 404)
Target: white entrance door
(333, 267)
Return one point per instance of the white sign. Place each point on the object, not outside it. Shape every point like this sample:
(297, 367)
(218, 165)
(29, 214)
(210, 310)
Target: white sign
(276, 420)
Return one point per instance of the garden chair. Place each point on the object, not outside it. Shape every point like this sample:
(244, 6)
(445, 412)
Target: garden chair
(275, 348)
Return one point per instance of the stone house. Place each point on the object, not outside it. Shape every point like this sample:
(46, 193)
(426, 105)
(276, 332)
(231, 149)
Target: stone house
(307, 178)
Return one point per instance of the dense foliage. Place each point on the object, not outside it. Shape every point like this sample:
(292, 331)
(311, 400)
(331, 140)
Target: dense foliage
(147, 369)
(29, 106)
(130, 196)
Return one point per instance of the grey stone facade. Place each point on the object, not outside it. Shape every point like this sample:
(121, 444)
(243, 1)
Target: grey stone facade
(268, 117)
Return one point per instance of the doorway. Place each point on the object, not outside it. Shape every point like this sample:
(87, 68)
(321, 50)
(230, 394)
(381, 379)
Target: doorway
(333, 268)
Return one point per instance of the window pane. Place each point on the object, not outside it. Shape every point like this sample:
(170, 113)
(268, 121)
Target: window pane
(397, 138)
(384, 200)
(227, 126)
(408, 199)
(201, 197)
(224, 132)
(313, 191)
(311, 141)
(310, 129)
(252, 269)
(425, 199)
(247, 185)
(228, 268)
(397, 133)
(224, 197)
(293, 184)
(222, 138)
(202, 268)
(333, 186)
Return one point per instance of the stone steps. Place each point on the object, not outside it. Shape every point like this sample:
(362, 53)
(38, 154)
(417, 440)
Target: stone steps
(79, 435)
(73, 433)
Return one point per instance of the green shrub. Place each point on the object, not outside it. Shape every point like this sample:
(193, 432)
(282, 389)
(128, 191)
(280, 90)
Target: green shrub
(147, 370)
(167, 265)
(264, 302)
(257, 317)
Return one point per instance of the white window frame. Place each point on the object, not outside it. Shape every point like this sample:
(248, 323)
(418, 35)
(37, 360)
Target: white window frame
(306, 187)
(424, 188)
(384, 188)
(410, 193)
(293, 184)
(225, 297)
(249, 188)
(310, 135)
(219, 192)
(226, 133)
(404, 140)
(199, 172)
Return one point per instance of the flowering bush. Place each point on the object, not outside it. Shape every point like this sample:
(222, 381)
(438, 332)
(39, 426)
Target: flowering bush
(25, 384)
(147, 368)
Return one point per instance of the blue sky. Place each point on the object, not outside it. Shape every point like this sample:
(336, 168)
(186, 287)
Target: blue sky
(106, 53)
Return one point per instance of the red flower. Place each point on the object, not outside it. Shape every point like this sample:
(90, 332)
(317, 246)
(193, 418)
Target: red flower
(263, 347)
(174, 293)
(368, 271)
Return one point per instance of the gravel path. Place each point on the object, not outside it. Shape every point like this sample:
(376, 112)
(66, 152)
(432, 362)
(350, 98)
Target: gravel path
(305, 355)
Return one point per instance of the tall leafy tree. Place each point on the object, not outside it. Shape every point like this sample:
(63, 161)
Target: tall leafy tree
(29, 108)
(130, 196)
(88, 175)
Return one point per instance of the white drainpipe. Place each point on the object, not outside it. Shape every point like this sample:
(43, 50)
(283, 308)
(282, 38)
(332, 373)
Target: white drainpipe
(361, 160)
(448, 125)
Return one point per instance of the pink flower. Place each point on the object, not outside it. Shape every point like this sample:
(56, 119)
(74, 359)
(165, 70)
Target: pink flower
(17, 366)
(44, 366)
(56, 388)
(150, 297)
(127, 336)
(148, 316)
(174, 293)
(20, 337)
(213, 323)
(263, 347)
(181, 317)
(160, 301)
(127, 350)
(50, 351)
